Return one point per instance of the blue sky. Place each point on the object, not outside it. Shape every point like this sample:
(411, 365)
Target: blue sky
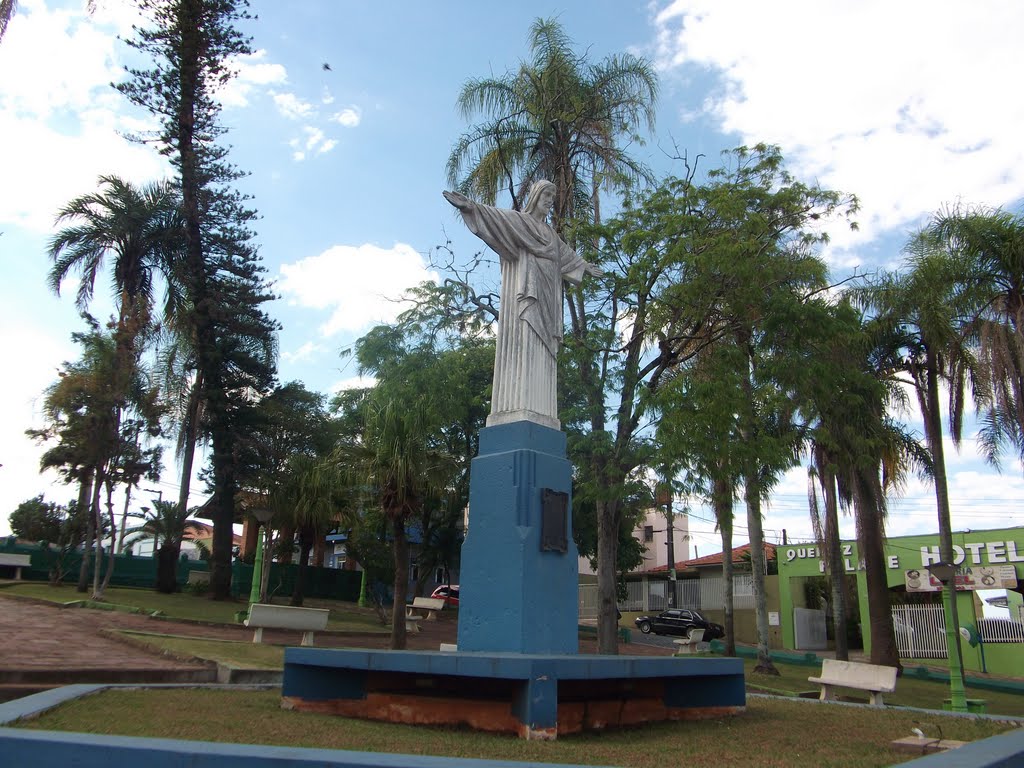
(911, 106)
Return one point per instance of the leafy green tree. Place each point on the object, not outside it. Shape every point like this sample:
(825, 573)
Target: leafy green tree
(737, 314)
(95, 422)
(398, 461)
(429, 355)
(37, 520)
(166, 526)
(560, 118)
(192, 44)
(139, 231)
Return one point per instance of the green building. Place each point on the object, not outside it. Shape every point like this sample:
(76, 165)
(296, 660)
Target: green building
(987, 560)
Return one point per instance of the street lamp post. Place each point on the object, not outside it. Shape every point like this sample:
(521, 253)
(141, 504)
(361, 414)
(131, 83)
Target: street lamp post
(262, 515)
(946, 573)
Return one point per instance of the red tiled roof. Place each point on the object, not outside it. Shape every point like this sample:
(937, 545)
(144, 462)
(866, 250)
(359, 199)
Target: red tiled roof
(739, 555)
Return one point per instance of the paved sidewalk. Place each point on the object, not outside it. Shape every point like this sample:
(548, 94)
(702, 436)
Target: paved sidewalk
(37, 636)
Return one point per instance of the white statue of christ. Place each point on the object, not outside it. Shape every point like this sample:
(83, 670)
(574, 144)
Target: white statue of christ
(534, 262)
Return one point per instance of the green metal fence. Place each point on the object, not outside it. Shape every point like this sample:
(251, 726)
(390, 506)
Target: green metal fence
(134, 571)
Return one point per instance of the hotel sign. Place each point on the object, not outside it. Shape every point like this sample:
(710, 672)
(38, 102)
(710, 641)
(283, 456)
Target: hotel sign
(967, 579)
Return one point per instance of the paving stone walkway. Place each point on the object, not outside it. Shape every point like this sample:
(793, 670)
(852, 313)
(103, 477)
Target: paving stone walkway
(38, 636)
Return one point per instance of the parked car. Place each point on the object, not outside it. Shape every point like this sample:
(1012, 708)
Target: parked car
(449, 593)
(679, 621)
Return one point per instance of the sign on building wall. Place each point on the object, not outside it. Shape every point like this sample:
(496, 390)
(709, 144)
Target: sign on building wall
(967, 579)
(1000, 552)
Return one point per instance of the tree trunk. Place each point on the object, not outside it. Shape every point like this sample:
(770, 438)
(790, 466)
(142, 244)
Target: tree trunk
(98, 535)
(319, 551)
(933, 434)
(872, 538)
(167, 568)
(85, 503)
(188, 450)
(124, 518)
(113, 534)
(836, 569)
(285, 544)
(722, 500)
(607, 558)
(757, 564)
(305, 545)
(400, 548)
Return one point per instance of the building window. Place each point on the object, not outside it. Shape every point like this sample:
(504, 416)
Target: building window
(743, 585)
(414, 570)
(439, 576)
(648, 534)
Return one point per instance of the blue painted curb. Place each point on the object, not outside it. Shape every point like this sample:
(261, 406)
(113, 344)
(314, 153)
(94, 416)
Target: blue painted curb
(52, 749)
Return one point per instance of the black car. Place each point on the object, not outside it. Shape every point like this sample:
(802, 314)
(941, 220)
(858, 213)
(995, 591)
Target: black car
(679, 621)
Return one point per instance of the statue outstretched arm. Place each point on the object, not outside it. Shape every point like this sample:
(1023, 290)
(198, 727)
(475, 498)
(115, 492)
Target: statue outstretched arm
(460, 201)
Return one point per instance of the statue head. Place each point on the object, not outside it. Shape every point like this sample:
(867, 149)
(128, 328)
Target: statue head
(534, 201)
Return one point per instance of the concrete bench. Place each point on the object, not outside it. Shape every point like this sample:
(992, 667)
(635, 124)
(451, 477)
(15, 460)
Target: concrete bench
(306, 620)
(851, 674)
(17, 562)
(198, 577)
(690, 644)
(412, 623)
(429, 605)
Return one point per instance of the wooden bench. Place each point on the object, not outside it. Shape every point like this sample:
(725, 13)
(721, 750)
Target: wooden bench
(429, 605)
(17, 562)
(690, 643)
(851, 674)
(306, 620)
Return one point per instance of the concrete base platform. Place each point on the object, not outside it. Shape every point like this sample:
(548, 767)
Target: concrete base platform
(535, 696)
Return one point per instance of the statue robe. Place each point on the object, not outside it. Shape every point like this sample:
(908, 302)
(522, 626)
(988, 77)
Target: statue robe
(534, 262)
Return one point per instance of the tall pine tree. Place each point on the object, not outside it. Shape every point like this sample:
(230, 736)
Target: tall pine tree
(192, 44)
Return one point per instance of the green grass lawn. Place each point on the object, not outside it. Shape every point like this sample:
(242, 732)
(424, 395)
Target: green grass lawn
(910, 691)
(183, 605)
(771, 733)
(246, 655)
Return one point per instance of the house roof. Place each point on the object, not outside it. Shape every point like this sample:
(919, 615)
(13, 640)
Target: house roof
(739, 555)
(197, 530)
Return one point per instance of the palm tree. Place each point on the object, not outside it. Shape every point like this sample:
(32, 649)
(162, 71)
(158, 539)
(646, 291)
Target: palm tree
(931, 313)
(558, 118)
(139, 228)
(166, 525)
(991, 245)
(397, 461)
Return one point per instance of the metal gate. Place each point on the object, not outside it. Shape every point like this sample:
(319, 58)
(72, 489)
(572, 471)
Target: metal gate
(809, 629)
(920, 631)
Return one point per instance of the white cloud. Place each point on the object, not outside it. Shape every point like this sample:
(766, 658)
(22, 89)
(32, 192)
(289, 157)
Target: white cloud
(312, 140)
(291, 106)
(38, 357)
(354, 382)
(306, 352)
(904, 104)
(61, 113)
(360, 285)
(252, 71)
(350, 117)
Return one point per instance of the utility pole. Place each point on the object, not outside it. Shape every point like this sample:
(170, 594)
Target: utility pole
(665, 497)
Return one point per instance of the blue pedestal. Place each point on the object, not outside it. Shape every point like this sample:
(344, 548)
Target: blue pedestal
(532, 695)
(514, 597)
